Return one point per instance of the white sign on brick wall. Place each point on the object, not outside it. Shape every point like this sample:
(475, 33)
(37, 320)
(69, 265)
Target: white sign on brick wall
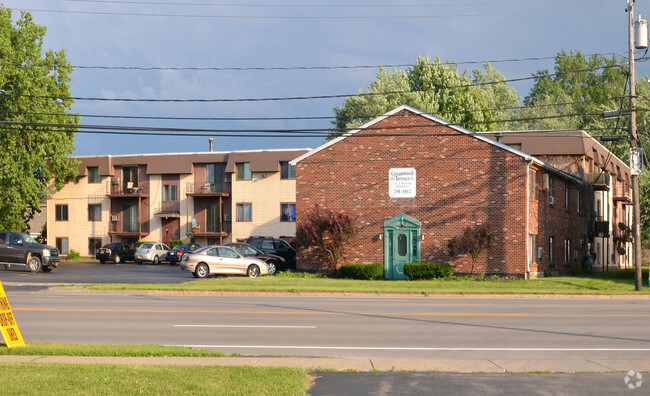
(401, 182)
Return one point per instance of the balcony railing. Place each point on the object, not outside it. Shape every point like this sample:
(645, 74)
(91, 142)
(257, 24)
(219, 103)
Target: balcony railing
(622, 192)
(217, 228)
(128, 188)
(208, 188)
(599, 180)
(169, 207)
(120, 227)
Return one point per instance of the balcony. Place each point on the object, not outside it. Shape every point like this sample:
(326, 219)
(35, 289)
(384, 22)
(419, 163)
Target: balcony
(168, 209)
(128, 190)
(208, 190)
(202, 228)
(133, 229)
(599, 180)
(622, 193)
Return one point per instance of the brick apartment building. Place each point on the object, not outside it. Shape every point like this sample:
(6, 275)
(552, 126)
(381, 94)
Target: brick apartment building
(414, 181)
(208, 197)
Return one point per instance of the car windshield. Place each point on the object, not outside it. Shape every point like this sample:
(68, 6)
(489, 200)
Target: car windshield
(147, 245)
(29, 239)
(182, 247)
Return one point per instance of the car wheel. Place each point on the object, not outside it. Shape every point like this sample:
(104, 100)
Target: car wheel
(118, 259)
(102, 261)
(201, 271)
(34, 264)
(7, 266)
(272, 267)
(156, 260)
(47, 269)
(253, 271)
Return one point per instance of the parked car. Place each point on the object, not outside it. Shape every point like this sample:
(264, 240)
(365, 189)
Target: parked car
(276, 263)
(17, 248)
(276, 246)
(176, 254)
(222, 260)
(154, 252)
(115, 252)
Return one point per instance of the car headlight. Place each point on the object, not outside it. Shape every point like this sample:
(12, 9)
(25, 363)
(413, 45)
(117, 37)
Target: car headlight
(46, 252)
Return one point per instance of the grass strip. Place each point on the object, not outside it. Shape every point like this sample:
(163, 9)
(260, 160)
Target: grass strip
(107, 379)
(123, 350)
(619, 282)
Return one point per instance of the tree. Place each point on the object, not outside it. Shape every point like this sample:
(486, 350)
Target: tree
(327, 232)
(472, 241)
(34, 89)
(437, 89)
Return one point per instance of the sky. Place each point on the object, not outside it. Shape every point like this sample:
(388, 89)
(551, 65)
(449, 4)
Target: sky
(225, 65)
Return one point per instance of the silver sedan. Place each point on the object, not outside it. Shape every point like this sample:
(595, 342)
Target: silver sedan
(154, 252)
(222, 260)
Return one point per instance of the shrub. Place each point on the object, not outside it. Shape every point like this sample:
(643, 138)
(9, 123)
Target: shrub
(362, 271)
(428, 270)
(73, 255)
(175, 242)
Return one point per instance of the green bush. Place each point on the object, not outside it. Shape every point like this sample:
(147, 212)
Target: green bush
(73, 255)
(175, 242)
(428, 270)
(362, 271)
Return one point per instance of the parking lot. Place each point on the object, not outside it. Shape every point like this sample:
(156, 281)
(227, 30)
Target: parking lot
(92, 271)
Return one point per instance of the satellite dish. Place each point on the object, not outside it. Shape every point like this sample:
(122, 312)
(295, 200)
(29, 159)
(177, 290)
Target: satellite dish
(621, 250)
(622, 226)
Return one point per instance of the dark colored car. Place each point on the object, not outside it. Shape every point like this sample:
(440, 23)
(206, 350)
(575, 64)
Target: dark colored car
(278, 247)
(115, 252)
(276, 263)
(21, 249)
(175, 255)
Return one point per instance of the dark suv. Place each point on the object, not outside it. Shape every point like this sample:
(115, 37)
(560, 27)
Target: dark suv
(275, 246)
(21, 249)
(276, 263)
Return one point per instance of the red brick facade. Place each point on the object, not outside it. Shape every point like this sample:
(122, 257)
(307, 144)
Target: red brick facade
(462, 181)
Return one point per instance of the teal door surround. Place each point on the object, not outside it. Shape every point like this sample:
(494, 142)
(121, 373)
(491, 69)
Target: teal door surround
(401, 244)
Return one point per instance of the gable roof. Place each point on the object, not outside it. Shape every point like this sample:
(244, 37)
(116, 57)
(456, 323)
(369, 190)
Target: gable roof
(526, 157)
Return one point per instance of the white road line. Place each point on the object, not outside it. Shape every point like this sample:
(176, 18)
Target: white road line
(248, 327)
(371, 348)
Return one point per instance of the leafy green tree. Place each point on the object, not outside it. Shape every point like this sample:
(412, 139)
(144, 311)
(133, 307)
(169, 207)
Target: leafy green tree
(34, 89)
(436, 88)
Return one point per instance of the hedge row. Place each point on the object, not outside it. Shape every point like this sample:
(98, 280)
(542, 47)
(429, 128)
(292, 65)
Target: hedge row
(428, 270)
(362, 271)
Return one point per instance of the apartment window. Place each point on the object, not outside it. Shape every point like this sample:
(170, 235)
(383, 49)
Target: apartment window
(551, 261)
(93, 175)
(532, 184)
(551, 190)
(214, 177)
(532, 242)
(94, 212)
(567, 251)
(288, 212)
(287, 170)
(579, 203)
(244, 212)
(567, 194)
(62, 212)
(212, 222)
(244, 171)
(170, 192)
(62, 245)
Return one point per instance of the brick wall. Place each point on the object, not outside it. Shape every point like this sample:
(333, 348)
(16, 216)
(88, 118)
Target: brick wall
(461, 181)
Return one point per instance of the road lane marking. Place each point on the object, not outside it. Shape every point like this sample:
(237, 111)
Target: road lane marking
(249, 326)
(495, 314)
(377, 348)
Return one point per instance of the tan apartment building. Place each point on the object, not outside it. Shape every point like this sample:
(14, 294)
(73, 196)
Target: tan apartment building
(208, 198)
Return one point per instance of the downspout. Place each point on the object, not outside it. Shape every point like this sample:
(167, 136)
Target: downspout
(527, 239)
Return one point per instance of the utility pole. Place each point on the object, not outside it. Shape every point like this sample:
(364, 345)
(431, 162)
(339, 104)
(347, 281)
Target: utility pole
(633, 149)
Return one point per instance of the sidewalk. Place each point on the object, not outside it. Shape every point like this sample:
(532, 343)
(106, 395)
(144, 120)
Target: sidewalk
(343, 364)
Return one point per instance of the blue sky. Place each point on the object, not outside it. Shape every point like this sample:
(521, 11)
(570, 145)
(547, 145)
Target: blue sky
(288, 34)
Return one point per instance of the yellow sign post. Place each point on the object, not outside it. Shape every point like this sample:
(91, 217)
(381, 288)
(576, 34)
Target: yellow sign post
(10, 331)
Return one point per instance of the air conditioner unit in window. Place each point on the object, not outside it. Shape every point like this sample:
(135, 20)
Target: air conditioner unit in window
(114, 218)
(551, 200)
(540, 252)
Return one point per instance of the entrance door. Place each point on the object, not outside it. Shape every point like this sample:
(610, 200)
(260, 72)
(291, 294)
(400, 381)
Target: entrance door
(401, 245)
(170, 229)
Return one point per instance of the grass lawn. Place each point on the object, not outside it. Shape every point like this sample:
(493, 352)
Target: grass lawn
(107, 379)
(620, 282)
